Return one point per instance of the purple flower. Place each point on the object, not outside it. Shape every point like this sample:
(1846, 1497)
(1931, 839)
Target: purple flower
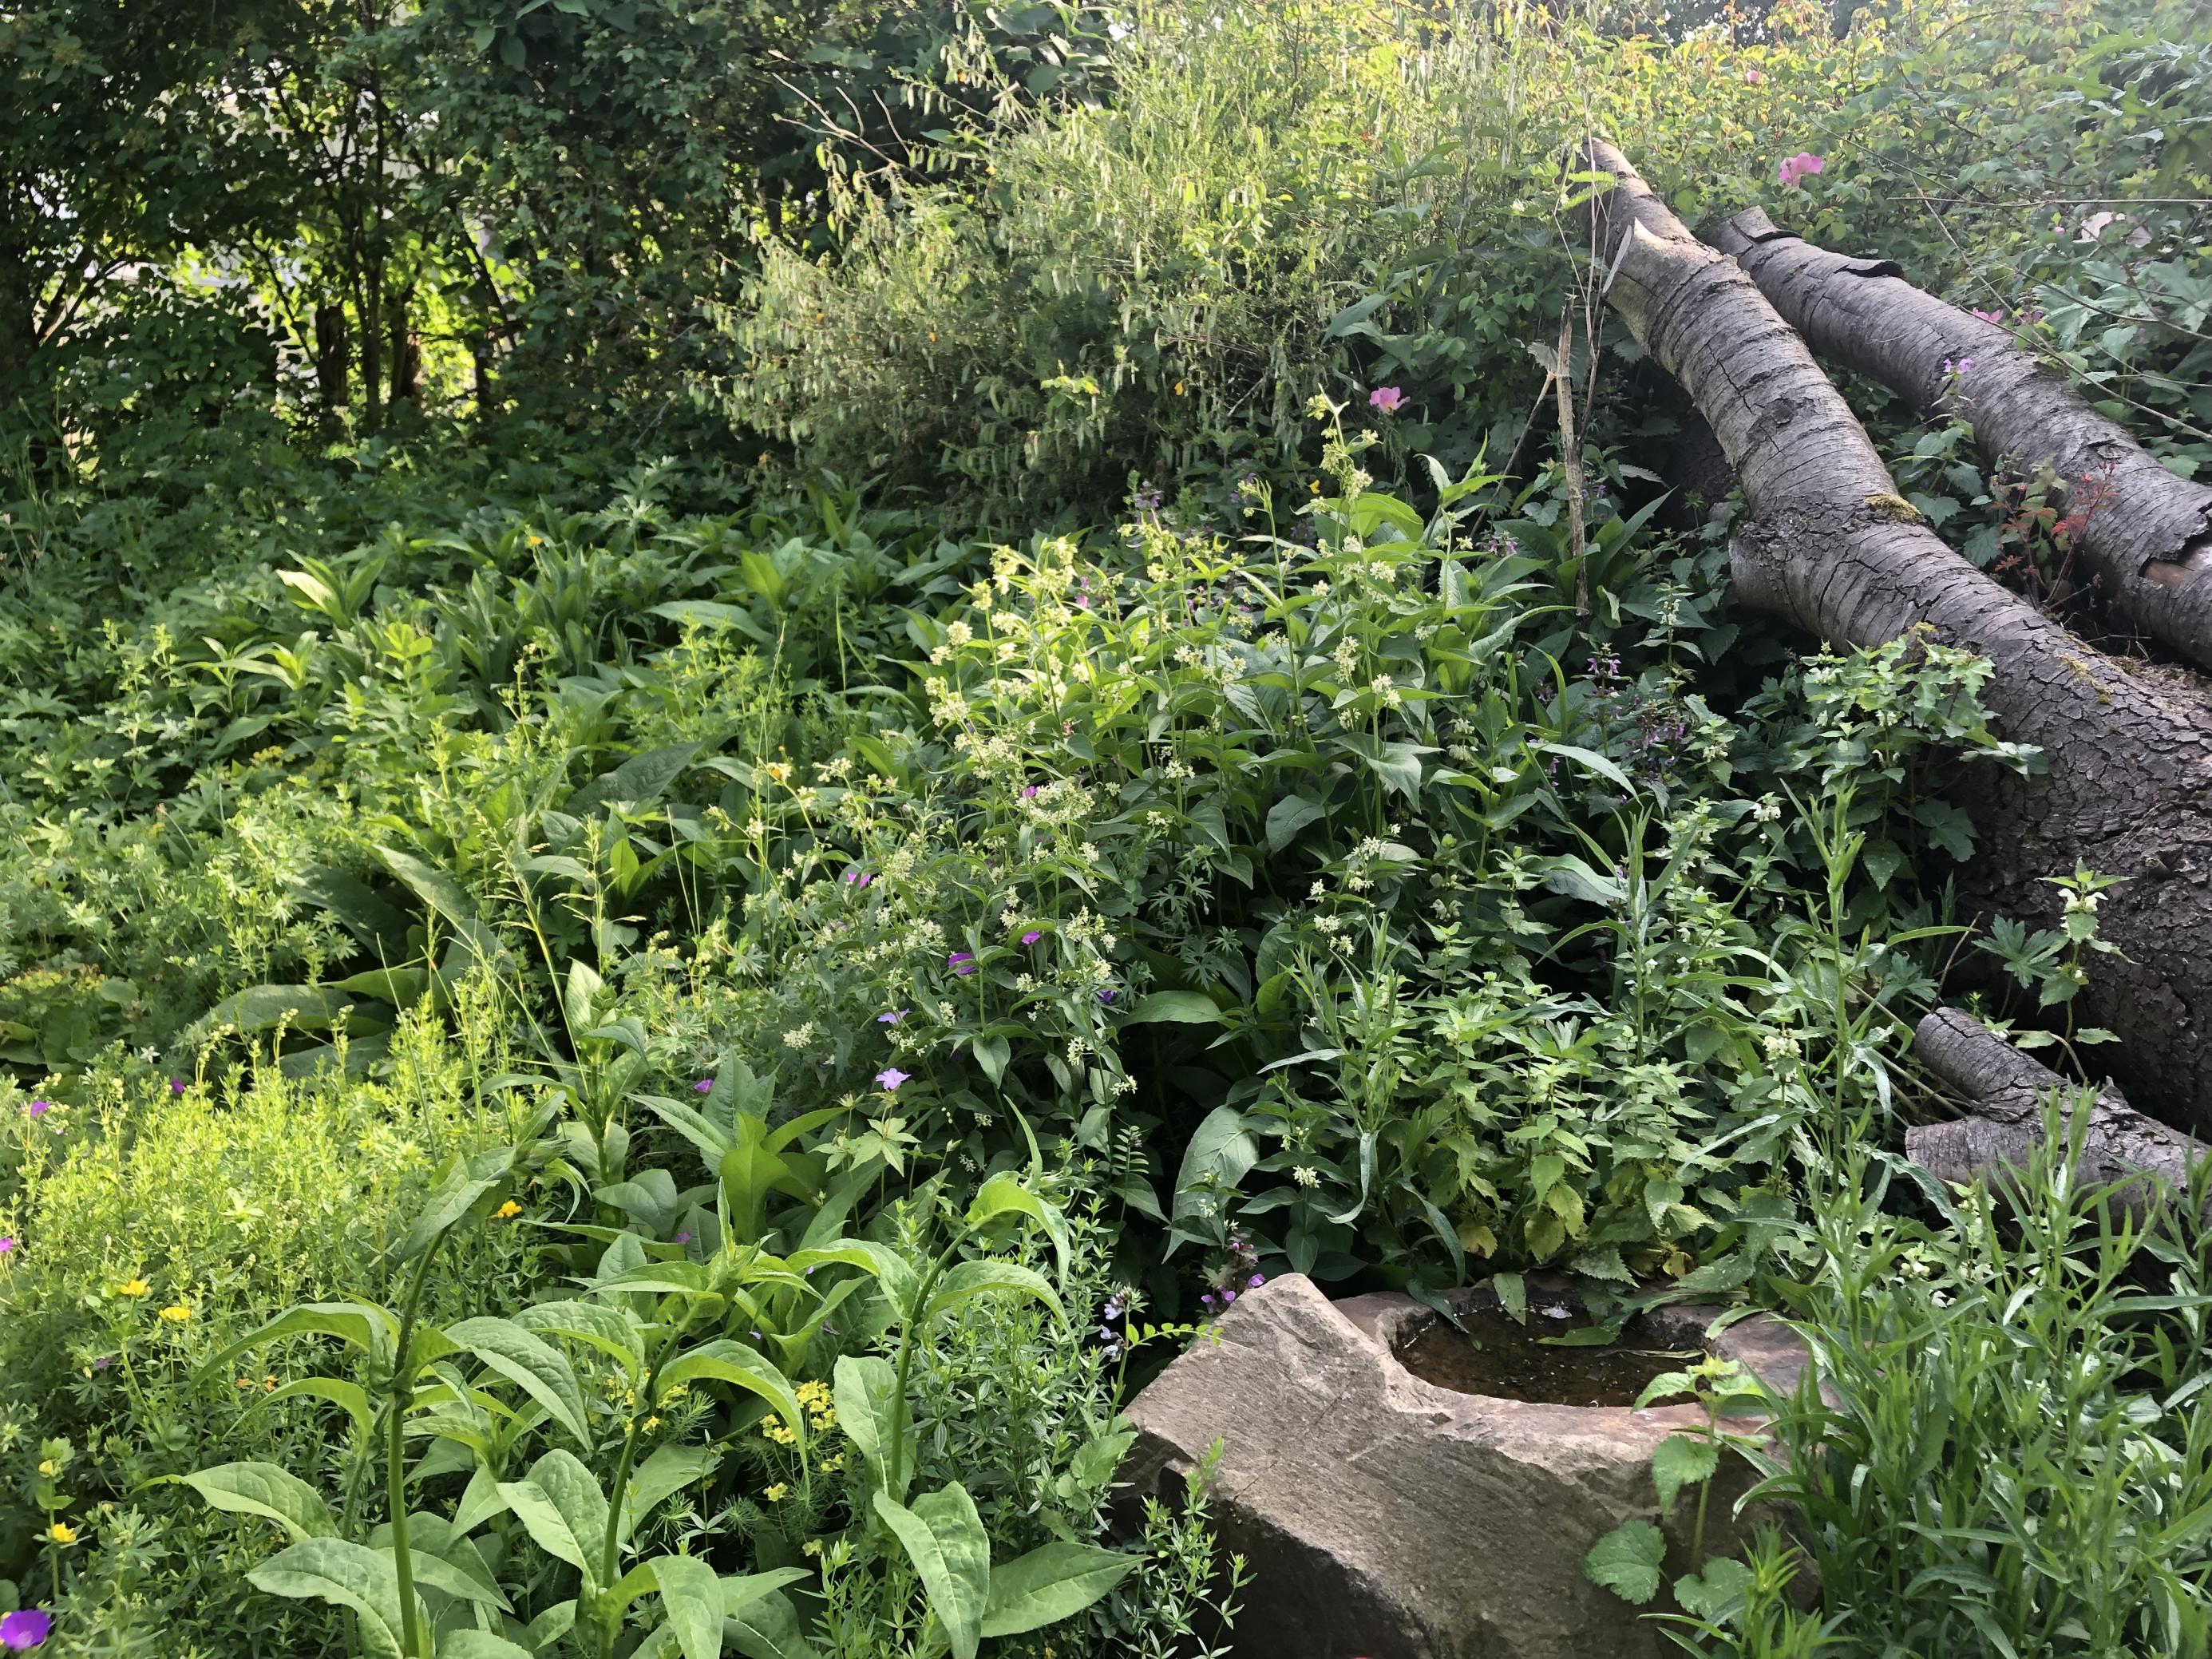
(7, 1247)
(1385, 399)
(1030, 794)
(1108, 995)
(177, 1085)
(103, 1362)
(26, 1627)
(1228, 1296)
(1804, 165)
(857, 877)
(962, 962)
(892, 1018)
(889, 1078)
(705, 1086)
(1031, 937)
(683, 1238)
(1256, 1281)
(40, 1108)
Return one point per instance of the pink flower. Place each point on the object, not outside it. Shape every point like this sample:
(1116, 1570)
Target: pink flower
(7, 1247)
(1031, 937)
(705, 1086)
(1753, 78)
(889, 1078)
(1804, 165)
(40, 1108)
(857, 877)
(1385, 399)
(1989, 316)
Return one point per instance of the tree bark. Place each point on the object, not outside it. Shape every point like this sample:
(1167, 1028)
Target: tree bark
(1829, 545)
(2145, 533)
(2005, 1091)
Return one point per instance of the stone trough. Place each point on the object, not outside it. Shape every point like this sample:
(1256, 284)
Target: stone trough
(1386, 1517)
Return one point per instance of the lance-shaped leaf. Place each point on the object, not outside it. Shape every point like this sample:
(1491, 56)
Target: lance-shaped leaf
(614, 1330)
(666, 1473)
(864, 1388)
(1054, 1582)
(971, 1279)
(691, 1595)
(727, 1361)
(351, 1395)
(352, 1322)
(561, 1506)
(944, 1537)
(889, 1269)
(535, 1365)
(351, 1575)
(1002, 1195)
(465, 1188)
(264, 1489)
(466, 1644)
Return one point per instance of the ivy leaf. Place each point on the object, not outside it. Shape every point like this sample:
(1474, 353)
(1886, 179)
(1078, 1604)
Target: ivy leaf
(1682, 1460)
(1627, 1561)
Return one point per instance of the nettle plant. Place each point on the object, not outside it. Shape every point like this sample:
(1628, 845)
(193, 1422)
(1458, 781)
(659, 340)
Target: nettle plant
(576, 1419)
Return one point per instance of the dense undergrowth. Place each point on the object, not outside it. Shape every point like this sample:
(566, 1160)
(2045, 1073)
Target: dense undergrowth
(753, 999)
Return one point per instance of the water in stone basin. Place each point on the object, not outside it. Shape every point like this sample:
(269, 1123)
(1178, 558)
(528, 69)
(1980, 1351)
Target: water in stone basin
(1501, 1358)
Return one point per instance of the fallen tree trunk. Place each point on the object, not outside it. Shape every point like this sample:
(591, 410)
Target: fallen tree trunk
(2005, 1091)
(1828, 545)
(2145, 533)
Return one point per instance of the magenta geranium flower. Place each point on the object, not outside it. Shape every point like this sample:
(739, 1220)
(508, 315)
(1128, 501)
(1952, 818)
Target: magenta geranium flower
(892, 1018)
(1804, 165)
(705, 1086)
(1385, 399)
(889, 1078)
(1989, 316)
(26, 1628)
(962, 962)
(177, 1085)
(7, 1247)
(40, 1108)
(1031, 937)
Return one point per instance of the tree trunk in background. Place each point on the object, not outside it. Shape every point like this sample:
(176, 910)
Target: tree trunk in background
(2146, 534)
(406, 351)
(1829, 545)
(333, 364)
(2005, 1091)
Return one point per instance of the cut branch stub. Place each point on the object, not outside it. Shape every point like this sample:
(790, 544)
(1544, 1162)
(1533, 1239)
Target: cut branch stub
(2146, 533)
(1829, 545)
(2005, 1091)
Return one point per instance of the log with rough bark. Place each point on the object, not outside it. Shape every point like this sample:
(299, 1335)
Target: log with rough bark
(2005, 1091)
(1828, 545)
(2145, 533)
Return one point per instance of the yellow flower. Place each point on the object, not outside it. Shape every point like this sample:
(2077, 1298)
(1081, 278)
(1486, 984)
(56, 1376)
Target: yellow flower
(176, 1312)
(650, 1424)
(812, 1547)
(537, 541)
(507, 1211)
(62, 1533)
(1178, 388)
(50, 1468)
(136, 1287)
(778, 1492)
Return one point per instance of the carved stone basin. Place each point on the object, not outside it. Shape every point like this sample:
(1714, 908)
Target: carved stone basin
(1387, 1517)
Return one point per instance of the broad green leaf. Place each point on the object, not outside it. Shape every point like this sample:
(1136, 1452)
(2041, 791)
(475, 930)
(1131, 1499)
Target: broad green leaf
(437, 890)
(641, 780)
(535, 1365)
(1592, 761)
(969, 1280)
(351, 1395)
(726, 1361)
(1627, 1561)
(1717, 1590)
(713, 1142)
(351, 1575)
(692, 1596)
(741, 1594)
(1051, 1583)
(561, 1505)
(863, 1389)
(1290, 815)
(264, 1489)
(669, 1470)
(890, 1269)
(944, 1537)
(301, 1007)
(1004, 1194)
(457, 1581)
(613, 1330)
(1174, 1008)
(480, 1501)
(351, 1323)
(464, 1644)
(1682, 1460)
(466, 1186)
